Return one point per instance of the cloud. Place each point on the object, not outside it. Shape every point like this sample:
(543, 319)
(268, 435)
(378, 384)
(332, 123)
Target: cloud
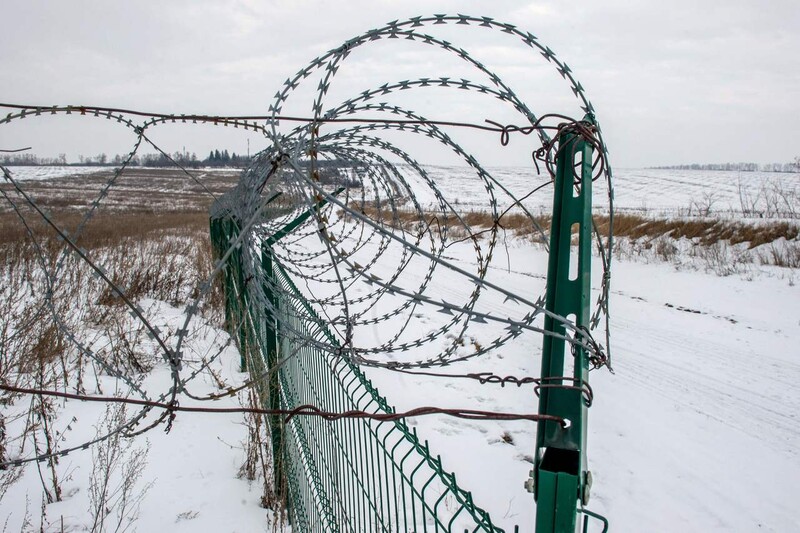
(666, 67)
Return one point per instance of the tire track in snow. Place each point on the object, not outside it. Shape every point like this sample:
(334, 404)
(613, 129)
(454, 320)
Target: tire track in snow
(718, 379)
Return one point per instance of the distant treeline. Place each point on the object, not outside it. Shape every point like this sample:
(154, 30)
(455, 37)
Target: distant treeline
(331, 171)
(216, 158)
(742, 167)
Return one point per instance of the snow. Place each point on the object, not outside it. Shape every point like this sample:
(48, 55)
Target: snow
(696, 430)
(646, 191)
(24, 173)
(193, 468)
(40, 173)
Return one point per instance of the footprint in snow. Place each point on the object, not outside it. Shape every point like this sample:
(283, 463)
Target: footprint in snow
(447, 431)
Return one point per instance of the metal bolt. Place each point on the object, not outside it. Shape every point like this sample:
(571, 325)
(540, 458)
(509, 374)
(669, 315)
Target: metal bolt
(530, 483)
(587, 488)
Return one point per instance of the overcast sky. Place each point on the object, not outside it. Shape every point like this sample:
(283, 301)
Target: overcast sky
(672, 82)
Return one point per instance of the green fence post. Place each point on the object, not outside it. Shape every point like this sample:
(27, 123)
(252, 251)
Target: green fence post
(560, 477)
(223, 230)
(271, 333)
(237, 279)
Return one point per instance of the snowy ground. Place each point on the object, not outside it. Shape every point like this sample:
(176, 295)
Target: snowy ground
(655, 191)
(648, 191)
(190, 481)
(697, 431)
(23, 173)
(39, 173)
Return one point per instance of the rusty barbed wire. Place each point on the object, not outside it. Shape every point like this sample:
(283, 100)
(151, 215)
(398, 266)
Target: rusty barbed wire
(301, 410)
(494, 379)
(546, 154)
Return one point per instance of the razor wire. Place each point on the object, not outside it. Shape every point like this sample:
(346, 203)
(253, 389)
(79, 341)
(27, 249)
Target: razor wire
(373, 256)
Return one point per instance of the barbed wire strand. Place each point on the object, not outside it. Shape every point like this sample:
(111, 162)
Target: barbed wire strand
(281, 170)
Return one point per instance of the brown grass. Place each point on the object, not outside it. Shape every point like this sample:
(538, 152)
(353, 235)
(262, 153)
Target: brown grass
(143, 202)
(407, 219)
(714, 238)
(706, 231)
(159, 249)
(167, 263)
(104, 229)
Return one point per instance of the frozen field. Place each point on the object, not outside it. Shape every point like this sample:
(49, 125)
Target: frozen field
(189, 479)
(39, 173)
(697, 430)
(47, 172)
(651, 191)
(654, 191)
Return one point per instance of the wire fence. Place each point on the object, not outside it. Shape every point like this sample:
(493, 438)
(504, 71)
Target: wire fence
(357, 475)
(333, 228)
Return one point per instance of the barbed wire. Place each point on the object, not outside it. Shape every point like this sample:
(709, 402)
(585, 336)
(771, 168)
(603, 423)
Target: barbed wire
(372, 258)
(552, 382)
(546, 154)
(301, 410)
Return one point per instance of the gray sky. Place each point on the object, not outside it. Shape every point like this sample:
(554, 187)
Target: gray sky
(672, 82)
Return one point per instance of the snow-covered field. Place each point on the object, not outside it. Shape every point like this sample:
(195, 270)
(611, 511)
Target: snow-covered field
(651, 191)
(38, 173)
(648, 191)
(189, 478)
(696, 431)
(25, 173)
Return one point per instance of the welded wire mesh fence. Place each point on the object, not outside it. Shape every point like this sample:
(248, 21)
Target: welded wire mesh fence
(351, 475)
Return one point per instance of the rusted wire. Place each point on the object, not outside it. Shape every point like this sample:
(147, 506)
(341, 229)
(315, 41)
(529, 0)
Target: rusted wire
(489, 377)
(301, 410)
(504, 130)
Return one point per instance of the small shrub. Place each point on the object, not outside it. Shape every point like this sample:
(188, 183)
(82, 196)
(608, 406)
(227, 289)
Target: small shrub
(115, 493)
(665, 248)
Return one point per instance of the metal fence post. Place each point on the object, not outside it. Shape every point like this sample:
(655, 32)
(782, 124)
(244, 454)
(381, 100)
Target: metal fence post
(561, 479)
(235, 273)
(271, 333)
(222, 230)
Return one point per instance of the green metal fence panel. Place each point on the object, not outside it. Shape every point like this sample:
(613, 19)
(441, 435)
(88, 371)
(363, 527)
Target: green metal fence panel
(350, 475)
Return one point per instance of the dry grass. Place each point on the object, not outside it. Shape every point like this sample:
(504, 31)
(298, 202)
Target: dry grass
(161, 265)
(104, 229)
(142, 202)
(59, 327)
(518, 223)
(712, 241)
(706, 231)
(784, 256)
(162, 254)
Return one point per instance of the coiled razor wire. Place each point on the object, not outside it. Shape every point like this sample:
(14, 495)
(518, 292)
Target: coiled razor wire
(372, 257)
